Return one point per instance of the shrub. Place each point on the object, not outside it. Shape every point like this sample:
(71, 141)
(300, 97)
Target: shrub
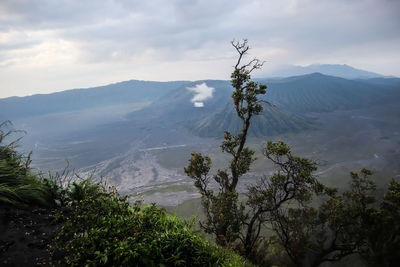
(106, 230)
(18, 186)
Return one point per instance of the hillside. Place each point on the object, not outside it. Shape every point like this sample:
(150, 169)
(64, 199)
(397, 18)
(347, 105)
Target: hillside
(321, 93)
(272, 121)
(176, 106)
(171, 101)
(79, 99)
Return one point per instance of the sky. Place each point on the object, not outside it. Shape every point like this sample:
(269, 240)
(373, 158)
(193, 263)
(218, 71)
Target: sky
(50, 45)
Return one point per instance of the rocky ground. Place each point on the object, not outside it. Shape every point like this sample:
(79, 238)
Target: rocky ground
(26, 235)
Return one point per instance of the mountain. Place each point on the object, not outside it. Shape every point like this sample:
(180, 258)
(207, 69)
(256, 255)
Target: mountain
(177, 106)
(172, 100)
(78, 99)
(294, 97)
(142, 133)
(272, 121)
(176, 109)
(322, 93)
(343, 71)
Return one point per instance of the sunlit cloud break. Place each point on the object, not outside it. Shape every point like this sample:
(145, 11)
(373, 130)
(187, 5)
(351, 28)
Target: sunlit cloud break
(202, 93)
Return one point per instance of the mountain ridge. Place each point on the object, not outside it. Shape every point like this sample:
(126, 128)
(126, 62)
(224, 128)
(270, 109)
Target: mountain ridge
(317, 92)
(77, 99)
(338, 70)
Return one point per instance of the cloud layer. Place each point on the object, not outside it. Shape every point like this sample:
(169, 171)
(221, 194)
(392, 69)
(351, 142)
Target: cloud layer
(48, 45)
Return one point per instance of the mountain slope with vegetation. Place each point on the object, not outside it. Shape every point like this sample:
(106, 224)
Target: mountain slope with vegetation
(177, 106)
(321, 93)
(272, 121)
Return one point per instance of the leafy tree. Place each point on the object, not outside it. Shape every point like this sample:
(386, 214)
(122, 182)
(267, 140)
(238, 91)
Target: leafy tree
(223, 210)
(384, 238)
(377, 226)
(344, 224)
(281, 201)
(226, 217)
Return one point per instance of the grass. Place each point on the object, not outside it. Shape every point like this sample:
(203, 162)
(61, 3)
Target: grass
(188, 209)
(170, 189)
(18, 186)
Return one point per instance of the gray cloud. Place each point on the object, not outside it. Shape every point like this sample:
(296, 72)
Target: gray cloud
(130, 36)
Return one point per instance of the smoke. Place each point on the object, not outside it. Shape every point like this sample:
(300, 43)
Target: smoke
(202, 92)
(198, 104)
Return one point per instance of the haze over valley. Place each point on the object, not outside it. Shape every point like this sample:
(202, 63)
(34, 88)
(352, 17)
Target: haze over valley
(139, 134)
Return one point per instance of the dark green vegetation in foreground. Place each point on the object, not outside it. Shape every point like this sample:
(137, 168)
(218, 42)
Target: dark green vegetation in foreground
(302, 233)
(105, 230)
(99, 227)
(18, 186)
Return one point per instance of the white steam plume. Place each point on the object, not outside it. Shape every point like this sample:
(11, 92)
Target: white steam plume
(202, 92)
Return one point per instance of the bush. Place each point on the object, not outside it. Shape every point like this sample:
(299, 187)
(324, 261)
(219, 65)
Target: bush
(18, 186)
(106, 230)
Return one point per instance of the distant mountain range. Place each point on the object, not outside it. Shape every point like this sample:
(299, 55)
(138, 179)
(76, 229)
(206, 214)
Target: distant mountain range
(343, 71)
(322, 93)
(133, 91)
(293, 99)
(217, 114)
(132, 130)
(170, 104)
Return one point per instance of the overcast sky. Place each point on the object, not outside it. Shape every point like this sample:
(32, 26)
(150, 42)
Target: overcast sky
(51, 45)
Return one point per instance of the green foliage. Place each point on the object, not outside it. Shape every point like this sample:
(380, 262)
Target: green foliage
(379, 228)
(281, 201)
(223, 211)
(86, 188)
(105, 230)
(349, 223)
(226, 217)
(18, 186)
(293, 182)
(269, 201)
(345, 224)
